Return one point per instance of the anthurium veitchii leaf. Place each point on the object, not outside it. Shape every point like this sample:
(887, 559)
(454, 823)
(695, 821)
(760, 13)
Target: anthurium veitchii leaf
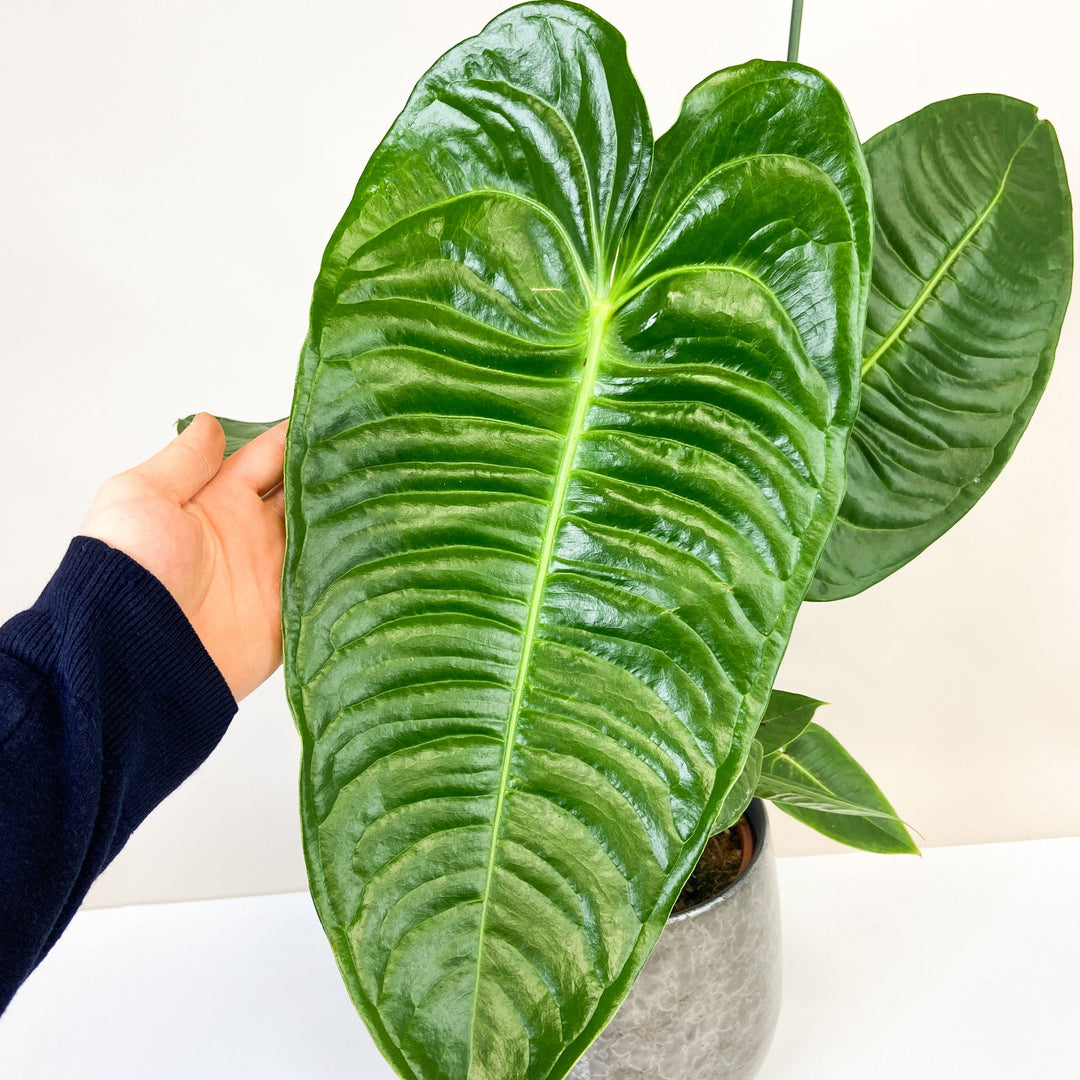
(567, 440)
(815, 780)
(972, 271)
(785, 718)
(238, 433)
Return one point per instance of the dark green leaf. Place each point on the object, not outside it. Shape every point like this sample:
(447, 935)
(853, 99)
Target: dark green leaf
(786, 718)
(238, 433)
(553, 501)
(816, 781)
(972, 272)
(743, 790)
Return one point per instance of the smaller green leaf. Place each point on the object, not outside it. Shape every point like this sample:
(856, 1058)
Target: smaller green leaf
(742, 791)
(815, 780)
(238, 433)
(786, 718)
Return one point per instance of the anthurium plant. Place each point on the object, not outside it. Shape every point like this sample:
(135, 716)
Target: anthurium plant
(576, 428)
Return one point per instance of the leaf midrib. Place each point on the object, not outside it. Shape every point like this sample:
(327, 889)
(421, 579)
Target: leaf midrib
(957, 250)
(600, 314)
(854, 809)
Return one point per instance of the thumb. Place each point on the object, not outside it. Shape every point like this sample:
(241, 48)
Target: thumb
(189, 462)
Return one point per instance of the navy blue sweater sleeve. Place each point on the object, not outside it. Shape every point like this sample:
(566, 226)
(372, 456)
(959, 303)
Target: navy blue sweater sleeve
(108, 700)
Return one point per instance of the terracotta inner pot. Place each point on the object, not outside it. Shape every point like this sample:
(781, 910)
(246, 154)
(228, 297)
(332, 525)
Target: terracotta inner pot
(725, 858)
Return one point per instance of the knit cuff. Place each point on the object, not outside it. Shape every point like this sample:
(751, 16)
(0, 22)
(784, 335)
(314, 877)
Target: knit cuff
(165, 705)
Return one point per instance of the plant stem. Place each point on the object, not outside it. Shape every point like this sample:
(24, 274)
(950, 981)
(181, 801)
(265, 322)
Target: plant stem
(796, 30)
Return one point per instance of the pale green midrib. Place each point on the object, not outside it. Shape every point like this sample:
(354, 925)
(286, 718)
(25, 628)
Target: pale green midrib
(599, 316)
(955, 253)
(816, 784)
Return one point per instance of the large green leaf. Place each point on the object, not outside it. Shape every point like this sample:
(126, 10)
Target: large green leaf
(971, 276)
(554, 497)
(815, 780)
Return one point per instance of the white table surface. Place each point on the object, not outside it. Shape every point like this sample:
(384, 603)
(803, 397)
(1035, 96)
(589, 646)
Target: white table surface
(962, 964)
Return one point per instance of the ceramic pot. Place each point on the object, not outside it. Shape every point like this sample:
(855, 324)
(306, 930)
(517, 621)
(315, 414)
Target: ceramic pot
(706, 1003)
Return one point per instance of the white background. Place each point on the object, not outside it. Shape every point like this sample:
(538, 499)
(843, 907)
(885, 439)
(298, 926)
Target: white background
(169, 174)
(894, 969)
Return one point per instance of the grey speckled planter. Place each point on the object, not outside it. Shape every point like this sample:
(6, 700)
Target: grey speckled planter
(706, 1003)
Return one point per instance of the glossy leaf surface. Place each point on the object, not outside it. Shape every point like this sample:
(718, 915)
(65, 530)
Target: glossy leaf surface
(971, 276)
(553, 500)
(238, 433)
(815, 780)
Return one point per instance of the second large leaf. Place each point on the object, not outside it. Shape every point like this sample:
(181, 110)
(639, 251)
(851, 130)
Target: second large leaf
(971, 276)
(567, 441)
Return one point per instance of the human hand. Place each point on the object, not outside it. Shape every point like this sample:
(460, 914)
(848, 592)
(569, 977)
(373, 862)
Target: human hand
(213, 533)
